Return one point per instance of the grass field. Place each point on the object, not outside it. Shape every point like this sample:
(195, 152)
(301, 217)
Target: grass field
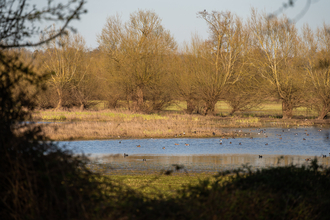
(222, 108)
(172, 122)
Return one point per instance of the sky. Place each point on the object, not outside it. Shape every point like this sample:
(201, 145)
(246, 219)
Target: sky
(179, 16)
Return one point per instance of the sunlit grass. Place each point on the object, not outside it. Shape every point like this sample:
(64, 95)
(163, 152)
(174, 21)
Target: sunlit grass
(153, 185)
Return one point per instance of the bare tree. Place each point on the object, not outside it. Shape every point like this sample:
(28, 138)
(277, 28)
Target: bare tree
(317, 67)
(278, 61)
(19, 19)
(222, 55)
(65, 58)
(138, 51)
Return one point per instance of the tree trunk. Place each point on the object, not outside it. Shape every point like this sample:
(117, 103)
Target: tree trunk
(286, 110)
(323, 113)
(138, 102)
(139, 93)
(209, 107)
(232, 111)
(190, 106)
(60, 99)
(82, 107)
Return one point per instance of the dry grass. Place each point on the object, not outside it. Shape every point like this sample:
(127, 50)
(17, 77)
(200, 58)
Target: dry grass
(123, 124)
(109, 125)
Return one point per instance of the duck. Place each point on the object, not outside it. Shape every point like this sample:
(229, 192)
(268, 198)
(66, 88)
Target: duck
(125, 155)
(266, 144)
(304, 139)
(324, 155)
(187, 144)
(138, 146)
(144, 159)
(260, 156)
(280, 138)
(163, 148)
(119, 142)
(176, 144)
(229, 142)
(240, 143)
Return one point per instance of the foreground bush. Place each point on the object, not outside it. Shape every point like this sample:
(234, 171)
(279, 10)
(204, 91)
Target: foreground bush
(272, 193)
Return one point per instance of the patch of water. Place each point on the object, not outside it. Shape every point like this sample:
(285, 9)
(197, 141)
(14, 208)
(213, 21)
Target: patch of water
(295, 144)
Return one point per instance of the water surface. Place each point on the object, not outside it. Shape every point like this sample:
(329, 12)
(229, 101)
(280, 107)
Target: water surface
(295, 144)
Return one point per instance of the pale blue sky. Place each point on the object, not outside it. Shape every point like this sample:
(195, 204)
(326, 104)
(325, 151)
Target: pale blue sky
(179, 16)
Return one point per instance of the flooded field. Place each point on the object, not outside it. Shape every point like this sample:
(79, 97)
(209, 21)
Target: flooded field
(294, 145)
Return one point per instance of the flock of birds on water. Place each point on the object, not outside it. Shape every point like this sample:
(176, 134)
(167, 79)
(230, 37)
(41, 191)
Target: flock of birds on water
(261, 131)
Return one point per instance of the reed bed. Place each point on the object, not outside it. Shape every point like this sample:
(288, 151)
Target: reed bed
(124, 124)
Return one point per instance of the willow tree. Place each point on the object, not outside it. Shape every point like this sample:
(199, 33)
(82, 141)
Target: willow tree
(185, 82)
(65, 58)
(139, 52)
(317, 67)
(278, 60)
(222, 56)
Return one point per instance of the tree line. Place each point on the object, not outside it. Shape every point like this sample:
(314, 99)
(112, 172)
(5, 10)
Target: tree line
(139, 65)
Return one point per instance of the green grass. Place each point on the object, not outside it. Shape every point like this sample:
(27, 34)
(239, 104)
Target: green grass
(153, 185)
(58, 117)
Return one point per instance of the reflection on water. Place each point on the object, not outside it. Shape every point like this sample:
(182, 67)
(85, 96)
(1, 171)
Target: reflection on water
(214, 154)
(200, 163)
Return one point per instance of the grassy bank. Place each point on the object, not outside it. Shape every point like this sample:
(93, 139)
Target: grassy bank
(288, 192)
(120, 124)
(157, 185)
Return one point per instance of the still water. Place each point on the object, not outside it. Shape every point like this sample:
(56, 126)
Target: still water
(212, 154)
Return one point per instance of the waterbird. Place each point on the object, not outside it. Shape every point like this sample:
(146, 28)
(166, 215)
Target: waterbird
(125, 155)
(240, 143)
(176, 144)
(266, 144)
(229, 142)
(144, 159)
(308, 159)
(260, 156)
(280, 138)
(220, 142)
(163, 148)
(304, 139)
(324, 155)
(213, 133)
(139, 146)
(119, 142)
(187, 144)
